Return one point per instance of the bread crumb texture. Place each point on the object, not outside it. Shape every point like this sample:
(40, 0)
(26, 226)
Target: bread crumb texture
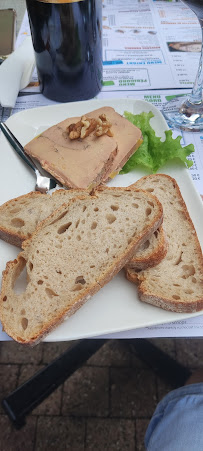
(20, 216)
(176, 283)
(71, 255)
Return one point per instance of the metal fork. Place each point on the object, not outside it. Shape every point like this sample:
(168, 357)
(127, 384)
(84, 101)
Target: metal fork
(44, 182)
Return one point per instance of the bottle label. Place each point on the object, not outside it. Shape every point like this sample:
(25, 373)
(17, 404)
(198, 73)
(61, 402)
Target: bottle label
(60, 1)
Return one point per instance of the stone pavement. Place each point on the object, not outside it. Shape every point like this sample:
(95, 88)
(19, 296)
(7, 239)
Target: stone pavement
(105, 405)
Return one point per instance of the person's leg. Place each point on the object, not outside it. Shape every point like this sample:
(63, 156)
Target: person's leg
(177, 423)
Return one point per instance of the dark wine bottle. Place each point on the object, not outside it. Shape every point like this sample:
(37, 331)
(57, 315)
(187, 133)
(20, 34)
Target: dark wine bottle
(67, 41)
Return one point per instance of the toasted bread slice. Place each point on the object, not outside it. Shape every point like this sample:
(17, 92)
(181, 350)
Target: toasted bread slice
(71, 255)
(176, 283)
(85, 163)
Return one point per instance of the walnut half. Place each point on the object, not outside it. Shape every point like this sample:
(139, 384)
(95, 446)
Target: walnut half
(87, 125)
(74, 130)
(103, 126)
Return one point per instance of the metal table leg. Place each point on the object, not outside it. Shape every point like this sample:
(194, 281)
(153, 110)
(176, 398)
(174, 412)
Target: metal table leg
(161, 363)
(30, 394)
(26, 397)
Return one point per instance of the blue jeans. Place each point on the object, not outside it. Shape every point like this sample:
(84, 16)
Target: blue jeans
(177, 423)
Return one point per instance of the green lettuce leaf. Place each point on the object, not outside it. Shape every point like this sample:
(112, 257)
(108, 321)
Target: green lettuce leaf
(154, 153)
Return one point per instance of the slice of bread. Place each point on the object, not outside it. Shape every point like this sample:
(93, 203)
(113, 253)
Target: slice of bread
(57, 198)
(151, 252)
(71, 255)
(20, 216)
(176, 283)
(85, 163)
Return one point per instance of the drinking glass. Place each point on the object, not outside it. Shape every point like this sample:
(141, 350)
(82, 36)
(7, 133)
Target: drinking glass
(187, 114)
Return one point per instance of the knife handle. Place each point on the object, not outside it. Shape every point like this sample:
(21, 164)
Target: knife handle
(17, 146)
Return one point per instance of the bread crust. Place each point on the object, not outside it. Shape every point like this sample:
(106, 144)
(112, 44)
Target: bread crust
(14, 234)
(195, 305)
(8, 232)
(141, 261)
(185, 271)
(107, 272)
(10, 238)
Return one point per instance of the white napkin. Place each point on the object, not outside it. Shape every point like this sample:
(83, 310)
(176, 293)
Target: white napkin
(16, 72)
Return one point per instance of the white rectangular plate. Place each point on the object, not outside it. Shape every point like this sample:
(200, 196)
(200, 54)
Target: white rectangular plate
(116, 306)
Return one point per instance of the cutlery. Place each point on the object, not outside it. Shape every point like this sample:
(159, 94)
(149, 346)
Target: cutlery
(44, 181)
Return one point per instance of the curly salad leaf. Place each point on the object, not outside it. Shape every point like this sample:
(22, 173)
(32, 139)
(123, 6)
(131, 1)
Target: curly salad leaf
(154, 153)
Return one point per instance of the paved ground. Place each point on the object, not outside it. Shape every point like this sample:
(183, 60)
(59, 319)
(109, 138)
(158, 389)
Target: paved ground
(104, 406)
